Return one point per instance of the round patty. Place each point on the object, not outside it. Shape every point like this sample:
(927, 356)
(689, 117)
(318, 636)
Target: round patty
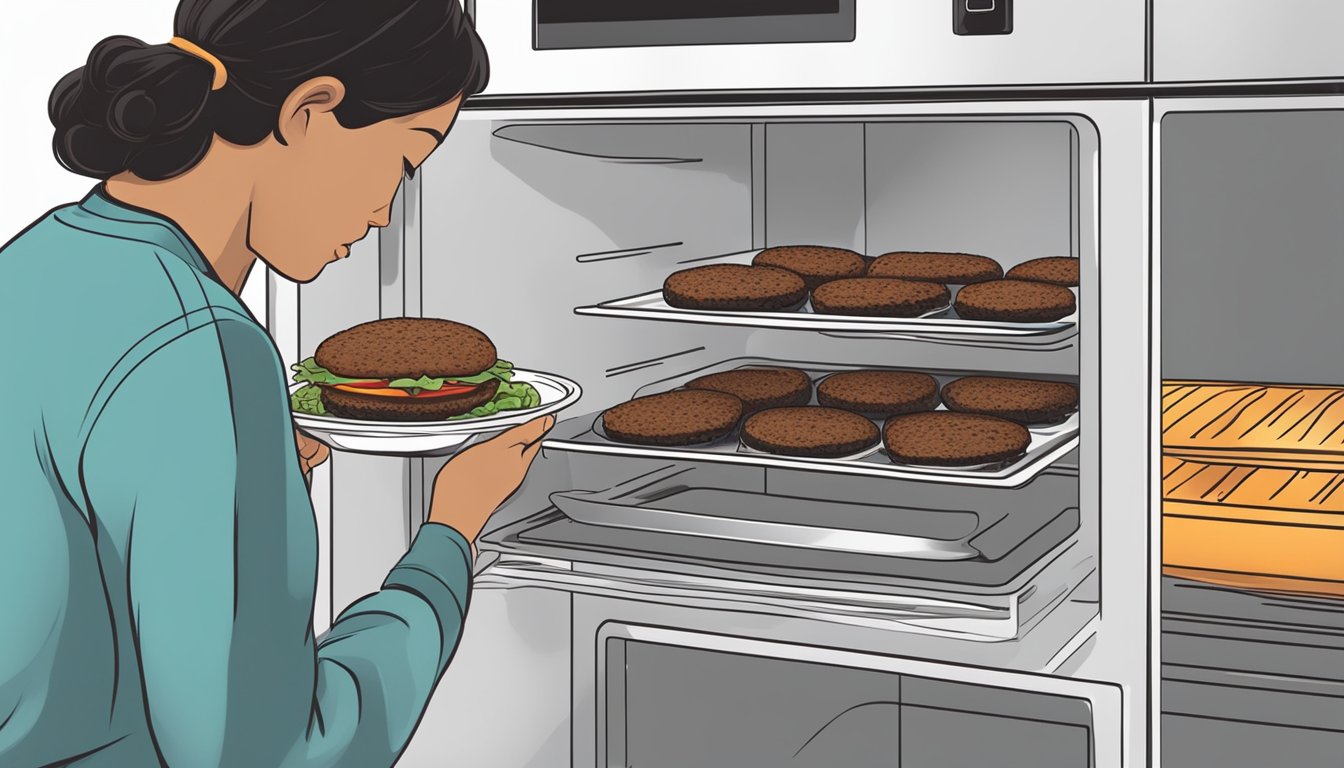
(1026, 401)
(1056, 270)
(879, 393)
(728, 287)
(947, 439)
(407, 347)
(683, 417)
(1015, 301)
(349, 405)
(816, 264)
(947, 268)
(760, 388)
(879, 297)
(813, 431)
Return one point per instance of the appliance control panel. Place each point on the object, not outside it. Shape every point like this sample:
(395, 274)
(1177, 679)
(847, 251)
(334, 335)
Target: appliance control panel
(982, 17)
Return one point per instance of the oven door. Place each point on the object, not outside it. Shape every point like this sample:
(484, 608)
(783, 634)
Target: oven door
(664, 697)
(604, 46)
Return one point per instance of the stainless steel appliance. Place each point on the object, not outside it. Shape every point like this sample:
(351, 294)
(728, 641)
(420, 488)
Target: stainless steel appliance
(1249, 206)
(628, 610)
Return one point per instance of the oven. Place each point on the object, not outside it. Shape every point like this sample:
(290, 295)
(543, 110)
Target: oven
(1253, 642)
(625, 588)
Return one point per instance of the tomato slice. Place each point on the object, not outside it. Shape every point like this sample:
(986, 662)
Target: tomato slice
(447, 389)
(365, 384)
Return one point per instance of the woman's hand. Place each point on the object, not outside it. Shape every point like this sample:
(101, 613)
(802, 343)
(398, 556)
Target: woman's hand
(311, 452)
(477, 481)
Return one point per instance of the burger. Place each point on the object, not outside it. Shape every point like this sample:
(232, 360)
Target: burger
(409, 369)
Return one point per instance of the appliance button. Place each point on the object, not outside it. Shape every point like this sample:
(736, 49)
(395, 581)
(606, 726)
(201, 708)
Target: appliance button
(982, 17)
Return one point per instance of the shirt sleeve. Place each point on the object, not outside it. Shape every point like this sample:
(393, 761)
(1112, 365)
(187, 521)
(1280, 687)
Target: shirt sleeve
(196, 448)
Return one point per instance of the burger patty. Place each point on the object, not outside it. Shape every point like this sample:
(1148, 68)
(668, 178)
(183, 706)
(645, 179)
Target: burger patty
(946, 268)
(683, 417)
(407, 347)
(812, 431)
(879, 297)
(1026, 401)
(948, 439)
(349, 405)
(734, 287)
(816, 264)
(1016, 301)
(879, 393)
(760, 388)
(1056, 270)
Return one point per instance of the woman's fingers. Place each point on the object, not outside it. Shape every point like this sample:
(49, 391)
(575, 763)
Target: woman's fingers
(320, 455)
(311, 452)
(530, 453)
(527, 434)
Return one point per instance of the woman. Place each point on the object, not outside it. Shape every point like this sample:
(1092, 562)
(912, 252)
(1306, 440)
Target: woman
(157, 544)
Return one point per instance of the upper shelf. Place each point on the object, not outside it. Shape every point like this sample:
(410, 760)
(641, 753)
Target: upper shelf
(945, 327)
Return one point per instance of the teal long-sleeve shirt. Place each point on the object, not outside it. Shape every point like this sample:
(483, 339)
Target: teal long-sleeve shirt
(157, 542)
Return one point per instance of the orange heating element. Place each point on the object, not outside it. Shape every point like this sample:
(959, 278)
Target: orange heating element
(1253, 485)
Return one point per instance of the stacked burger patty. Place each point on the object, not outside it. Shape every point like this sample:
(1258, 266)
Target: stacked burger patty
(898, 284)
(772, 410)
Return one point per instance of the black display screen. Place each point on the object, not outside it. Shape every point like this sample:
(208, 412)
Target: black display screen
(627, 23)
(579, 11)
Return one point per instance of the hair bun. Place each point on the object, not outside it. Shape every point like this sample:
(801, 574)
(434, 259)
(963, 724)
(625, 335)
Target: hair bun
(133, 107)
(131, 116)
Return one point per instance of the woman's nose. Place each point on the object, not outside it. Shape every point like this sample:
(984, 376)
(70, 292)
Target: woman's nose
(381, 218)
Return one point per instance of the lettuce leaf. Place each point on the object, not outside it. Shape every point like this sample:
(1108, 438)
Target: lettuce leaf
(510, 397)
(308, 400)
(309, 372)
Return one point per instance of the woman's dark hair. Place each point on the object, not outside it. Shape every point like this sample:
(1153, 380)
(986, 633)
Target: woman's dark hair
(149, 109)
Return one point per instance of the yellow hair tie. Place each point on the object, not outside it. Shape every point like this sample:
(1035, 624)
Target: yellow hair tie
(221, 74)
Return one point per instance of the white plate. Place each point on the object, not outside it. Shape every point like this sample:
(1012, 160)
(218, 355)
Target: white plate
(436, 438)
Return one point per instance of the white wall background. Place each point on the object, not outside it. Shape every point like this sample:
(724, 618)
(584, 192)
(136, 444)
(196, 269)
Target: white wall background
(41, 41)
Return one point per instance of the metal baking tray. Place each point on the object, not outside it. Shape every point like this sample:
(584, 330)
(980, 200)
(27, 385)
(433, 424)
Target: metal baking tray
(940, 325)
(1049, 442)
(678, 499)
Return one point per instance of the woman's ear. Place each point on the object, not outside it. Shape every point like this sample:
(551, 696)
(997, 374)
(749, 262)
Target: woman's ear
(315, 97)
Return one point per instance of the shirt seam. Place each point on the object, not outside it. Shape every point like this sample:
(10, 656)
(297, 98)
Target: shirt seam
(147, 220)
(65, 221)
(212, 324)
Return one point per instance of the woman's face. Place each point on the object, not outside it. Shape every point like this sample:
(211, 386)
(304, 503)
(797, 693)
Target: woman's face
(327, 185)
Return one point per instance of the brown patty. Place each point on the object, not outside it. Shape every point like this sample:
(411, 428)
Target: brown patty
(947, 439)
(879, 393)
(823, 433)
(1015, 301)
(816, 264)
(1026, 401)
(349, 405)
(406, 347)
(760, 388)
(879, 297)
(1056, 270)
(728, 287)
(947, 268)
(683, 417)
